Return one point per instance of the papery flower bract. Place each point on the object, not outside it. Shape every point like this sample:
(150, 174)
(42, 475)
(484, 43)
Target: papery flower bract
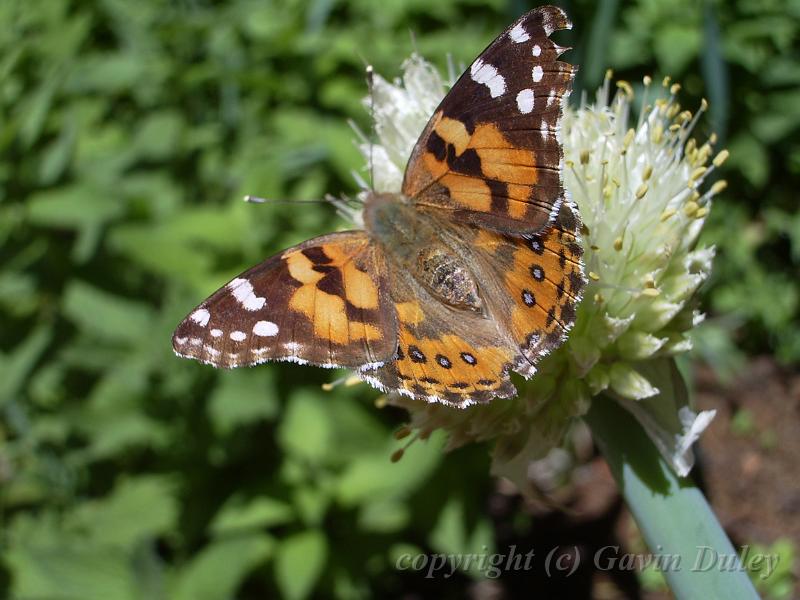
(638, 189)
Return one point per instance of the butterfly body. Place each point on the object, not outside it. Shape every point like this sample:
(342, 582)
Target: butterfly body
(472, 270)
(415, 243)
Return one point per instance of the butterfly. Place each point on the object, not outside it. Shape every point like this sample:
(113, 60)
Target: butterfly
(473, 271)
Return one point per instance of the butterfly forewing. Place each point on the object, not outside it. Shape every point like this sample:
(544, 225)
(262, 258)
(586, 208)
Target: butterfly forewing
(490, 152)
(322, 302)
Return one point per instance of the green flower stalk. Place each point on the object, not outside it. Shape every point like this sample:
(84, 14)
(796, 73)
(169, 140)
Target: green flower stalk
(639, 187)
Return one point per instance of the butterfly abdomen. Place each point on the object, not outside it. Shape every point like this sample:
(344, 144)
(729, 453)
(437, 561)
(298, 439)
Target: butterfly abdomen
(447, 278)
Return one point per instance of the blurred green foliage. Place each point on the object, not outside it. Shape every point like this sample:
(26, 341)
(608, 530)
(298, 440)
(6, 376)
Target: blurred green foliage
(129, 132)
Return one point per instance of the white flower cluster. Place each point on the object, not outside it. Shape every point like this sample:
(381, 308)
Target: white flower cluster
(638, 186)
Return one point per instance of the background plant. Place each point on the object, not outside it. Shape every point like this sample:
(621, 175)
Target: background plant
(129, 132)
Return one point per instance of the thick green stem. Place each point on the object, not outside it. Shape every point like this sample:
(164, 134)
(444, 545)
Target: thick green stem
(672, 513)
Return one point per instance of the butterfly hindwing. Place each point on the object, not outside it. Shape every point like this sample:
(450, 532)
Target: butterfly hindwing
(490, 151)
(322, 302)
(457, 358)
(541, 280)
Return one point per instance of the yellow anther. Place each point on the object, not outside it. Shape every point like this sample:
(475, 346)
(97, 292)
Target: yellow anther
(594, 276)
(673, 110)
(670, 212)
(618, 244)
(627, 139)
(658, 133)
(721, 158)
(641, 191)
(584, 157)
(718, 187)
(648, 171)
(626, 88)
(676, 87)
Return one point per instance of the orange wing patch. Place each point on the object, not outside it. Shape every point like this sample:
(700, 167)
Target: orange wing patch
(480, 171)
(330, 280)
(451, 370)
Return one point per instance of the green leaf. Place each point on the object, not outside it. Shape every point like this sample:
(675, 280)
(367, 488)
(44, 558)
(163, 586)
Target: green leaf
(299, 561)
(384, 516)
(73, 207)
(218, 570)
(17, 365)
(243, 398)
(105, 315)
(373, 477)
(305, 429)
(673, 515)
(237, 515)
(453, 534)
(49, 562)
(158, 135)
(139, 508)
(69, 573)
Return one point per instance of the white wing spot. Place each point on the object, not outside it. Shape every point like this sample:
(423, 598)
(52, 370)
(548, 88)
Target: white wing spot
(200, 316)
(487, 75)
(196, 342)
(538, 73)
(536, 50)
(211, 351)
(216, 332)
(518, 34)
(238, 336)
(265, 329)
(545, 129)
(551, 98)
(181, 340)
(525, 101)
(242, 290)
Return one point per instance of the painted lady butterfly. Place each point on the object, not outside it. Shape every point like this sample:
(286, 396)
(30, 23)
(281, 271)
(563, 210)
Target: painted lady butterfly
(472, 272)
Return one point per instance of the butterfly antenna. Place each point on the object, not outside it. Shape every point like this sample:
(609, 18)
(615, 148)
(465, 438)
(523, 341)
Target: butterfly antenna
(259, 200)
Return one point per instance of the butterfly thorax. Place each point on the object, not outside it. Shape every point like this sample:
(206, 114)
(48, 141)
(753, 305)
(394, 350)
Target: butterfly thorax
(418, 245)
